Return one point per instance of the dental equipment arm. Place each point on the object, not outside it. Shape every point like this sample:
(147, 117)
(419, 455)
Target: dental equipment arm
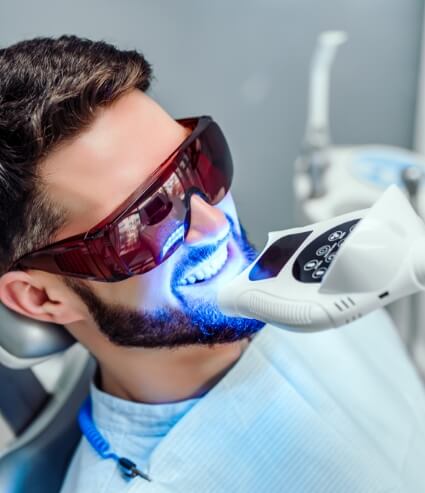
(317, 130)
(314, 158)
(333, 272)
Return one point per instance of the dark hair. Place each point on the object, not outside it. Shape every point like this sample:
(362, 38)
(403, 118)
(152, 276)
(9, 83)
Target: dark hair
(50, 90)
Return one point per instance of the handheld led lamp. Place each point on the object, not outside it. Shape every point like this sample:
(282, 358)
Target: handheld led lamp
(333, 272)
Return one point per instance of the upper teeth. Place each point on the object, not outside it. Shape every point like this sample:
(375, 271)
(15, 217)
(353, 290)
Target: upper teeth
(208, 268)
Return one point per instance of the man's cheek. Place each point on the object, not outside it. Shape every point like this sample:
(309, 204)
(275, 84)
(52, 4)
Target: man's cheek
(227, 205)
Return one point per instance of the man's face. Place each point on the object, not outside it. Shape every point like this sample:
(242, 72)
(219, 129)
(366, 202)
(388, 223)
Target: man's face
(92, 175)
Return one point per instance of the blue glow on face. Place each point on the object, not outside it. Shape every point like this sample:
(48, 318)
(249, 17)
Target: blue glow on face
(177, 235)
(197, 321)
(205, 313)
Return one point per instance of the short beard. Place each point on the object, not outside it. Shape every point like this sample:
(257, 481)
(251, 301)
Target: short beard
(201, 322)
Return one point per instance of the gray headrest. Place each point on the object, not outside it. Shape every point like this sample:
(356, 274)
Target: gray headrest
(24, 342)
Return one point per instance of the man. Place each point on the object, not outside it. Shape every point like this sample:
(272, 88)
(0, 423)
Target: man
(118, 223)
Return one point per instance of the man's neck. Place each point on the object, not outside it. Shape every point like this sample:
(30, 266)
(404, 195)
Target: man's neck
(167, 375)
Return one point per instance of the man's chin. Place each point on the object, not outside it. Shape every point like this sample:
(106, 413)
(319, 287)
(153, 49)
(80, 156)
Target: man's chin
(214, 327)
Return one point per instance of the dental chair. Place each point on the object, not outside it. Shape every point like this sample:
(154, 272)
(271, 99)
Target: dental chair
(40, 410)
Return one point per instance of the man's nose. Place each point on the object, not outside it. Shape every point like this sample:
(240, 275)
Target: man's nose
(207, 223)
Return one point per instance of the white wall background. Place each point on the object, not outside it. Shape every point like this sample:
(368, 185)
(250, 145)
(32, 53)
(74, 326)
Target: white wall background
(246, 63)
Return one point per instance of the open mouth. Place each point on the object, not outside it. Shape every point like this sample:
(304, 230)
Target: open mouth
(208, 269)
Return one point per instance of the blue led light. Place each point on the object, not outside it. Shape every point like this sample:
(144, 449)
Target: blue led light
(177, 235)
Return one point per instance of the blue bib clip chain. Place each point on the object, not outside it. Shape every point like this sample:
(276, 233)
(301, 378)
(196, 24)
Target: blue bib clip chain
(96, 440)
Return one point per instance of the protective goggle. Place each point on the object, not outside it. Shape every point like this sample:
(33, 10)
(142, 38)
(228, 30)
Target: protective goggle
(153, 222)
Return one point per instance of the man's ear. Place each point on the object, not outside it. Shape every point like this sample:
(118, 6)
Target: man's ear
(32, 296)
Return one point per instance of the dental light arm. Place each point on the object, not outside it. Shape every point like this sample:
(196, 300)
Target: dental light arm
(333, 272)
(317, 131)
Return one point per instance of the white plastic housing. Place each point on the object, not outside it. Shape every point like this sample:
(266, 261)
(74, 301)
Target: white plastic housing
(382, 259)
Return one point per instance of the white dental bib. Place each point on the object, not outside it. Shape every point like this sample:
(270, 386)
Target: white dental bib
(336, 411)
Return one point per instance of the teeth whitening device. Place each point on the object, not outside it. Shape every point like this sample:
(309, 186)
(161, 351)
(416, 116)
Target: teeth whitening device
(332, 179)
(333, 272)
